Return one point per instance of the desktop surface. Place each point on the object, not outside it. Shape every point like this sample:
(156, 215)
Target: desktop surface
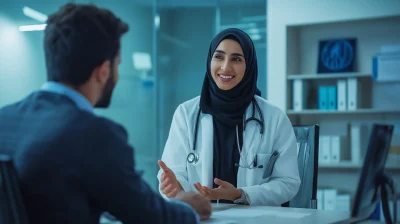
(231, 213)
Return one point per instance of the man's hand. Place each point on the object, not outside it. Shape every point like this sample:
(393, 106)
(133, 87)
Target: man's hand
(225, 191)
(170, 186)
(199, 203)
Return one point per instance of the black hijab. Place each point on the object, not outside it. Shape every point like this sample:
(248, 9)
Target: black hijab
(228, 106)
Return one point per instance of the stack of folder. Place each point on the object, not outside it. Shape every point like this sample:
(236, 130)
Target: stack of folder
(386, 64)
(344, 96)
(327, 98)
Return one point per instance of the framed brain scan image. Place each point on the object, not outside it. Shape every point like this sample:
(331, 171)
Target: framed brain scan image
(337, 55)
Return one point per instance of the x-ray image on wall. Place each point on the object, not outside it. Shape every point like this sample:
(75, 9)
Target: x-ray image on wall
(337, 55)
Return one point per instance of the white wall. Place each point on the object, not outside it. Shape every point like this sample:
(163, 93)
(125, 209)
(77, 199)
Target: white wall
(283, 13)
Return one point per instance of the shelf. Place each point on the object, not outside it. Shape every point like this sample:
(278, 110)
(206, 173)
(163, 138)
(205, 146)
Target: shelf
(340, 165)
(358, 111)
(329, 76)
(350, 165)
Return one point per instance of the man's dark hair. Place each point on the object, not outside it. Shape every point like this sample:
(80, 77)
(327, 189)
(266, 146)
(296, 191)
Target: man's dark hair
(78, 38)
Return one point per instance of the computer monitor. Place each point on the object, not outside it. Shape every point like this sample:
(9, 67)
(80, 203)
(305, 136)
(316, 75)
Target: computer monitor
(372, 177)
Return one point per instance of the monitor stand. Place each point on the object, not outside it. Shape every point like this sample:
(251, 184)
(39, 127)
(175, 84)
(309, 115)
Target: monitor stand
(385, 181)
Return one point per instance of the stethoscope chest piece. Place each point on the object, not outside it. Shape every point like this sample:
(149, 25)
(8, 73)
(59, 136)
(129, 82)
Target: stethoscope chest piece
(193, 158)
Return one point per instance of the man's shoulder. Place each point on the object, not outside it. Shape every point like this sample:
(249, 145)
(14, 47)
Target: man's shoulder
(53, 110)
(105, 126)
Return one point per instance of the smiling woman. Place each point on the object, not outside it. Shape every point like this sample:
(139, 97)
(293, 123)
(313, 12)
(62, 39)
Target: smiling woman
(229, 144)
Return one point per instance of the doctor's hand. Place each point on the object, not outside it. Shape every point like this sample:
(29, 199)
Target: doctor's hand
(170, 186)
(225, 191)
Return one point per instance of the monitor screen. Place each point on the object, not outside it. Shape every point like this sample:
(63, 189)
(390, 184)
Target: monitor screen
(367, 194)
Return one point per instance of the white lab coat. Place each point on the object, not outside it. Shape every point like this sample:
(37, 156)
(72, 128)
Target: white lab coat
(280, 187)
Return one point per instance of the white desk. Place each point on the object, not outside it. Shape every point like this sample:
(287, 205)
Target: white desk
(228, 213)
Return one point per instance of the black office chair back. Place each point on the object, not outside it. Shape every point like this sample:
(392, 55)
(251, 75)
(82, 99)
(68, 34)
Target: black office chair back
(307, 157)
(12, 209)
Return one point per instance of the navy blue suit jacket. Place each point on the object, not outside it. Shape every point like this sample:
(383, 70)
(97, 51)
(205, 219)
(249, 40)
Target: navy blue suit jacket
(73, 165)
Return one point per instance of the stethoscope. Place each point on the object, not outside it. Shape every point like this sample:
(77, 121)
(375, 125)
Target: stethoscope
(194, 157)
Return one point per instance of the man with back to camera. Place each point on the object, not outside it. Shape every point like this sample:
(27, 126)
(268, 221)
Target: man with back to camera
(73, 165)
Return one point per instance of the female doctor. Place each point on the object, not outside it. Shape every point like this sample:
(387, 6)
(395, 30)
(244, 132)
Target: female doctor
(230, 144)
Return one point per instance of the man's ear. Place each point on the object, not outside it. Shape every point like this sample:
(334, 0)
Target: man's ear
(102, 72)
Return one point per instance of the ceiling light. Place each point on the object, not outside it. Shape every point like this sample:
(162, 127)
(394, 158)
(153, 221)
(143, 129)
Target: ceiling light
(34, 14)
(32, 27)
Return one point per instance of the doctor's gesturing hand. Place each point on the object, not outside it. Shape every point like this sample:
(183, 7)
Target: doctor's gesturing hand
(170, 186)
(225, 191)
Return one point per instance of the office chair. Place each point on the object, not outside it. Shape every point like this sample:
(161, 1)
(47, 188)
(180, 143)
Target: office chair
(307, 157)
(12, 209)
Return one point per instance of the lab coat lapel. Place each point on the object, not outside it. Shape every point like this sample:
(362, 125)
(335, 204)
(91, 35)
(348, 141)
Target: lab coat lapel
(250, 137)
(207, 132)
(249, 147)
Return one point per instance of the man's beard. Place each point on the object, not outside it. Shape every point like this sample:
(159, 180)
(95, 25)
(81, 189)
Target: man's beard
(105, 100)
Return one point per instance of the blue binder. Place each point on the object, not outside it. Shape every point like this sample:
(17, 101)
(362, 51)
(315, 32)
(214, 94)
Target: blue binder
(323, 98)
(332, 98)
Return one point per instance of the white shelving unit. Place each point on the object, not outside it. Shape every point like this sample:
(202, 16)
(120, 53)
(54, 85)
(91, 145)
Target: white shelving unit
(345, 166)
(294, 30)
(329, 76)
(370, 111)
(379, 104)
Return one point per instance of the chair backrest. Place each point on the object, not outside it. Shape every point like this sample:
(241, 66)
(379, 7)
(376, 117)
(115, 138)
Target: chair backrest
(307, 157)
(12, 209)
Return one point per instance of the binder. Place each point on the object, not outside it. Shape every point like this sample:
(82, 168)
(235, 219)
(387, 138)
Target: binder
(385, 67)
(339, 151)
(320, 199)
(342, 95)
(323, 98)
(330, 199)
(300, 94)
(332, 97)
(353, 94)
(335, 149)
(343, 202)
(358, 142)
(324, 149)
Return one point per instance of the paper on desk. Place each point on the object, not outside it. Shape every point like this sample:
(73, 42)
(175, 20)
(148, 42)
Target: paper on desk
(252, 213)
(239, 213)
(223, 221)
(294, 215)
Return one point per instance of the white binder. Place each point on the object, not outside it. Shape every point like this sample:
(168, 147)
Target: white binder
(300, 94)
(343, 202)
(339, 150)
(358, 142)
(342, 95)
(335, 149)
(330, 199)
(320, 199)
(324, 149)
(353, 94)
